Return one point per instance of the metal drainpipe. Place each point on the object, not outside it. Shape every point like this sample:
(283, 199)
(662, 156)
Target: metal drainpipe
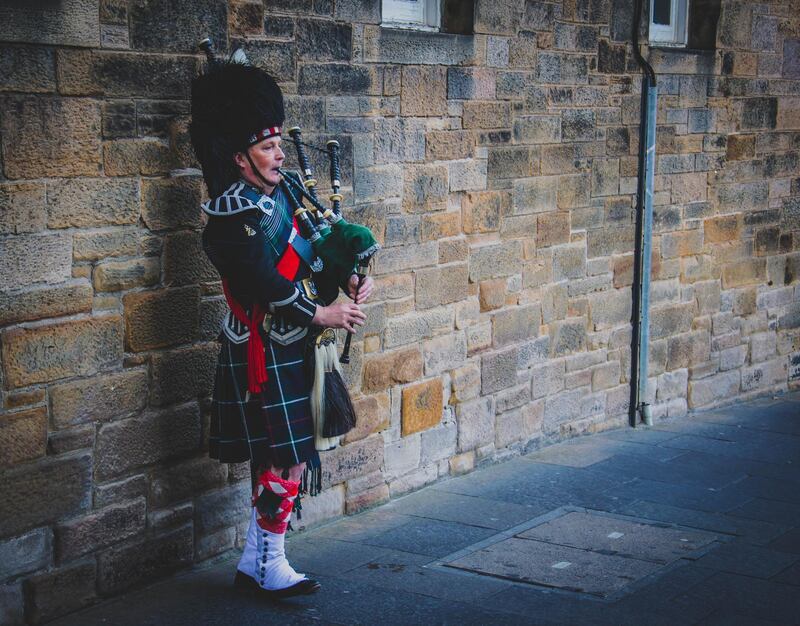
(644, 233)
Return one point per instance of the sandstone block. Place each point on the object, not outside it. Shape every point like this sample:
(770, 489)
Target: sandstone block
(185, 480)
(466, 382)
(481, 210)
(98, 398)
(609, 240)
(61, 591)
(567, 336)
(515, 325)
(744, 272)
(609, 309)
(476, 424)
(185, 261)
(510, 428)
(355, 459)
(479, 337)
(547, 379)
(537, 129)
(535, 195)
(441, 285)
(378, 183)
(171, 203)
(157, 319)
(447, 145)
(218, 509)
(62, 486)
(534, 352)
(122, 567)
(23, 436)
(415, 326)
(339, 78)
(569, 262)
(444, 353)
(100, 529)
(34, 303)
(552, 229)
(123, 275)
(389, 368)
(35, 258)
(425, 188)
(438, 443)
(499, 370)
(752, 196)
(722, 229)
(93, 245)
(184, 374)
(74, 348)
(422, 406)
(139, 441)
(513, 162)
(606, 376)
(486, 114)
(467, 175)
(470, 83)
(408, 47)
(71, 23)
(494, 261)
(462, 463)
(325, 506)
(26, 553)
(30, 123)
(22, 208)
(714, 388)
(492, 294)
(423, 91)
(683, 243)
(688, 349)
(671, 320)
(133, 157)
(765, 375)
(372, 416)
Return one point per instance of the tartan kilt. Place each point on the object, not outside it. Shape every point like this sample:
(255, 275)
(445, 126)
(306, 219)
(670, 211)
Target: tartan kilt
(274, 429)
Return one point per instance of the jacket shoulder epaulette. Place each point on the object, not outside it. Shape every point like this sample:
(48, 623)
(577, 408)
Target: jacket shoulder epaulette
(236, 199)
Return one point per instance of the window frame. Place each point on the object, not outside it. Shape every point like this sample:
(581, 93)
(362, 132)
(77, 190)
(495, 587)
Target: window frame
(676, 34)
(399, 14)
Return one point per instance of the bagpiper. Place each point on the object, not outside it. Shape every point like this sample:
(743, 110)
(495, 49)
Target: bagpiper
(260, 409)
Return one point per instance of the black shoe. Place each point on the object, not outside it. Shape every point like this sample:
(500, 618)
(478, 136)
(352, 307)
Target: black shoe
(305, 587)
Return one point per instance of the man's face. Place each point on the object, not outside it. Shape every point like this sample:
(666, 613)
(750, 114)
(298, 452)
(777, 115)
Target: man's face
(267, 156)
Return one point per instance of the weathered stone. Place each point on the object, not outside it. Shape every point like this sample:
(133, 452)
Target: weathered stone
(372, 416)
(492, 294)
(120, 491)
(23, 436)
(183, 374)
(30, 123)
(552, 229)
(367, 499)
(425, 188)
(499, 370)
(569, 262)
(62, 486)
(73, 348)
(384, 45)
(185, 261)
(100, 529)
(52, 262)
(567, 336)
(355, 459)
(61, 591)
(446, 145)
(400, 366)
(221, 508)
(535, 195)
(185, 480)
(537, 129)
(721, 229)
(157, 319)
(126, 444)
(515, 325)
(415, 326)
(759, 113)
(745, 272)
(470, 83)
(688, 349)
(71, 23)
(339, 78)
(609, 240)
(423, 91)
(123, 275)
(486, 115)
(513, 162)
(26, 553)
(125, 566)
(476, 424)
(467, 174)
(466, 383)
(98, 398)
(444, 353)
(22, 208)
(510, 428)
(74, 296)
(682, 243)
(173, 25)
(171, 203)
(493, 261)
(713, 389)
(422, 406)
(93, 245)
(610, 309)
(441, 285)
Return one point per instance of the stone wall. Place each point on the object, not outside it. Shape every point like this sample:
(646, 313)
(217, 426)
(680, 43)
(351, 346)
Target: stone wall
(499, 171)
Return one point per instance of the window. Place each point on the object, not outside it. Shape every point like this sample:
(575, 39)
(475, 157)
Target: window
(416, 14)
(668, 20)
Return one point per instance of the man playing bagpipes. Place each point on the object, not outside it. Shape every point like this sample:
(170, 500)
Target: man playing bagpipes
(261, 409)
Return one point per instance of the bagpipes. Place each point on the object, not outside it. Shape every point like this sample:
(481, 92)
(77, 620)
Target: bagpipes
(343, 249)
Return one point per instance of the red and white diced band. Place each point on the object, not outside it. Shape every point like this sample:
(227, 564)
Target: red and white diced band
(272, 131)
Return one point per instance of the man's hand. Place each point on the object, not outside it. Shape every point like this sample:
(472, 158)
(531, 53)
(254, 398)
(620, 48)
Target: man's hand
(364, 293)
(341, 315)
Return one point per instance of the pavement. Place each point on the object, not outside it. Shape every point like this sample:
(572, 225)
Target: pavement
(692, 521)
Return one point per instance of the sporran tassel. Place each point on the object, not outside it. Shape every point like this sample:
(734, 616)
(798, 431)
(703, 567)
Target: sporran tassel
(331, 407)
(340, 417)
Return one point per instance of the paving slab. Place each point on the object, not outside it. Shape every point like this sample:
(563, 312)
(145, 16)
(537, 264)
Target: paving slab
(785, 513)
(433, 538)
(551, 565)
(749, 560)
(614, 535)
(787, 542)
(684, 496)
(790, 576)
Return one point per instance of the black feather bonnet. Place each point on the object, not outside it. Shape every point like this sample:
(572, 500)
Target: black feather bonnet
(234, 105)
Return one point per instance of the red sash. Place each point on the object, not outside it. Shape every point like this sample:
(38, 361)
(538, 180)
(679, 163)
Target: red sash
(287, 267)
